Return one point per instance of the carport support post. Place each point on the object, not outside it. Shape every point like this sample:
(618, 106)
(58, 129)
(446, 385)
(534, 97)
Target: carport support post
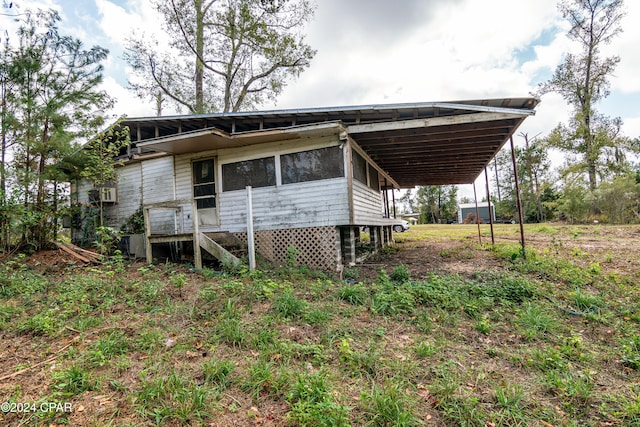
(251, 247)
(475, 197)
(486, 178)
(520, 216)
(386, 199)
(393, 195)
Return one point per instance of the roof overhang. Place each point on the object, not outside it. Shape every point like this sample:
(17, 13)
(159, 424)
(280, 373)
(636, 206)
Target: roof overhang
(430, 143)
(216, 139)
(439, 150)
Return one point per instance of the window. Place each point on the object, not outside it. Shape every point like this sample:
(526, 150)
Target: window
(204, 186)
(374, 180)
(312, 165)
(256, 173)
(359, 167)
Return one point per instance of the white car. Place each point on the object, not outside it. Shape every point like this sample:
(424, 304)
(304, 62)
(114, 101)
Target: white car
(403, 226)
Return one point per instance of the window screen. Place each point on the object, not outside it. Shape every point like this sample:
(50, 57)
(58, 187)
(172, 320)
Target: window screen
(312, 165)
(374, 180)
(256, 173)
(359, 167)
(204, 188)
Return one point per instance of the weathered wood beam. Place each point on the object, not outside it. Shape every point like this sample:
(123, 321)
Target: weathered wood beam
(221, 254)
(431, 122)
(435, 134)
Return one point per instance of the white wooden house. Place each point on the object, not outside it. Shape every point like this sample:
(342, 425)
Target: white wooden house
(316, 176)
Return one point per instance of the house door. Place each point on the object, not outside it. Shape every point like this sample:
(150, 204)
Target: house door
(204, 191)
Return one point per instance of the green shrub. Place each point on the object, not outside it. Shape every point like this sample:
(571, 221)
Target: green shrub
(288, 306)
(396, 302)
(389, 405)
(312, 403)
(355, 294)
(400, 274)
(105, 348)
(217, 372)
(535, 322)
(631, 350)
(71, 382)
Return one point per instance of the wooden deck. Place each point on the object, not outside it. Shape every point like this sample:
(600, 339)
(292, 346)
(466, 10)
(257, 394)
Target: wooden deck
(171, 238)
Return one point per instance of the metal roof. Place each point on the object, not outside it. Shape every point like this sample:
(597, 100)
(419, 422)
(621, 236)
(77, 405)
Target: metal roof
(429, 143)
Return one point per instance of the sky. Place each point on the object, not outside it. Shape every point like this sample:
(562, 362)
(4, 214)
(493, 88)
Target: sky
(395, 51)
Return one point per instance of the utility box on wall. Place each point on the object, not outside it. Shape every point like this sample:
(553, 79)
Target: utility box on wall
(103, 194)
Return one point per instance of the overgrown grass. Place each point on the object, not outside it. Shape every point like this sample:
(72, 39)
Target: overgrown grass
(547, 340)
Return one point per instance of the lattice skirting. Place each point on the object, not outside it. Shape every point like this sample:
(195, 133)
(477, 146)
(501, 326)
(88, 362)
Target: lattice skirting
(318, 247)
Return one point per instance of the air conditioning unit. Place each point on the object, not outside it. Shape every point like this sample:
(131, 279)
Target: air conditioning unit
(108, 194)
(105, 194)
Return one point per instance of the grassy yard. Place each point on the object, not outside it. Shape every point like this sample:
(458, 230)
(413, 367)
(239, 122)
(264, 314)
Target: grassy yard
(441, 331)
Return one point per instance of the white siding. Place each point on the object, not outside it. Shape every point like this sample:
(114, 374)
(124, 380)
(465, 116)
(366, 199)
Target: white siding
(367, 204)
(158, 186)
(184, 189)
(84, 186)
(128, 199)
(129, 193)
(306, 204)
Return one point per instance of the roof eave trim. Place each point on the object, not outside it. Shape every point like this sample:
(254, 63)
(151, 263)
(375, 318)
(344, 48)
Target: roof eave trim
(484, 108)
(435, 121)
(300, 129)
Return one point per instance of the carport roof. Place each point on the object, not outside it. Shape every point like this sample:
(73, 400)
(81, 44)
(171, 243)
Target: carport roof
(429, 143)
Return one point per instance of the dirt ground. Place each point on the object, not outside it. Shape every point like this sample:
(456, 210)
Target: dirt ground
(613, 248)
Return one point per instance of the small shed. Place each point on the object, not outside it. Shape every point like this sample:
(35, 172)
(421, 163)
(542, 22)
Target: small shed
(466, 209)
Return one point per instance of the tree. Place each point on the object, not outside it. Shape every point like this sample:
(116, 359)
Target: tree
(98, 156)
(7, 119)
(437, 203)
(408, 202)
(575, 201)
(620, 199)
(583, 79)
(54, 99)
(537, 190)
(225, 55)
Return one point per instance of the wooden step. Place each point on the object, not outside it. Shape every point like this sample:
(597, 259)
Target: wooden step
(227, 240)
(219, 252)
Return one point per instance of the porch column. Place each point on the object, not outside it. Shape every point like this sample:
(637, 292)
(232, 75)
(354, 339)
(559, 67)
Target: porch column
(348, 245)
(386, 231)
(374, 232)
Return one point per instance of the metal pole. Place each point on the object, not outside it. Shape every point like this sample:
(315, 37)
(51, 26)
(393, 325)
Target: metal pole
(393, 195)
(386, 199)
(486, 177)
(251, 247)
(475, 197)
(495, 164)
(520, 217)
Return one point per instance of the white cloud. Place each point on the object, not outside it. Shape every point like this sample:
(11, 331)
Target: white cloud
(119, 23)
(126, 104)
(626, 46)
(466, 49)
(631, 127)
